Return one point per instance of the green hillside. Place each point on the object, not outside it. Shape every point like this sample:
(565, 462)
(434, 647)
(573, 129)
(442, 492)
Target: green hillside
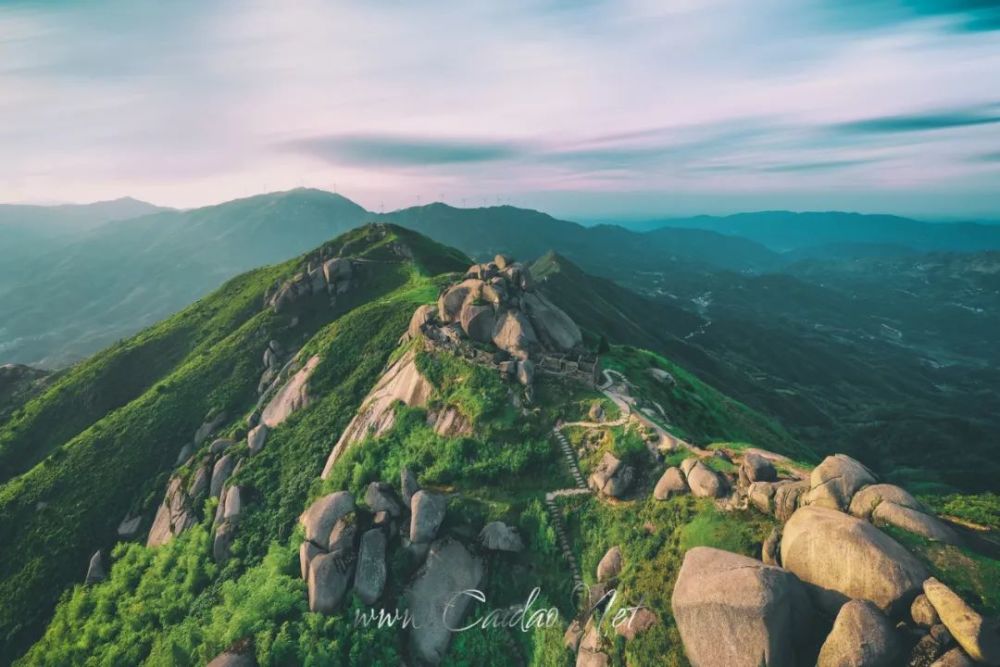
(99, 442)
(476, 436)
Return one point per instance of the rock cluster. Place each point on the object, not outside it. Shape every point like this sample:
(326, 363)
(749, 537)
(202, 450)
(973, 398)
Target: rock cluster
(612, 477)
(332, 558)
(331, 277)
(496, 304)
(830, 560)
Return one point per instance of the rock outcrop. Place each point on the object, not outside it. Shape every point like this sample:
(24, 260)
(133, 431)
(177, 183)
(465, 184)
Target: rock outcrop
(834, 482)
(96, 572)
(293, 395)
(671, 483)
(428, 510)
(847, 558)
(498, 536)
(735, 611)
(861, 636)
(435, 599)
(330, 576)
(321, 516)
(401, 382)
(612, 477)
(705, 482)
(173, 517)
(369, 578)
(979, 637)
(610, 565)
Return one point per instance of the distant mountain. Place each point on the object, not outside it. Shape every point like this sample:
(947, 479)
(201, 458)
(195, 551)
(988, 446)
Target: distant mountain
(784, 230)
(64, 304)
(482, 232)
(63, 218)
(68, 302)
(27, 230)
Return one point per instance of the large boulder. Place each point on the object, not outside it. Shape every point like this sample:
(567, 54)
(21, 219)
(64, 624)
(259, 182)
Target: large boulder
(555, 328)
(862, 636)
(256, 438)
(847, 558)
(636, 623)
(477, 321)
(611, 565)
(706, 483)
(498, 536)
(514, 333)
(435, 600)
(233, 504)
(834, 482)
(428, 511)
(369, 578)
(450, 303)
(914, 521)
(294, 395)
(923, 613)
(788, 497)
(343, 535)
(173, 517)
(307, 551)
(381, 497)
(95, 569)
(222, 542)
(129, 526)
(336, 269)
(671, 483)
(756, 468)
(870, 497)
(761, 495)
(422, 316)
(408, 485)
(978, 636)
(220, 473)
(590, 653)
(736, 611)
(321, 516)
(330, 577)
(612, 477)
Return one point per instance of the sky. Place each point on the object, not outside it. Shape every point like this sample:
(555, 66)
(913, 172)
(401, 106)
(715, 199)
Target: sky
(587, 109)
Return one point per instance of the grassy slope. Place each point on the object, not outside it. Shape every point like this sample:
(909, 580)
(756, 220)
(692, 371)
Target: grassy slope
(173, 605)
(109, 448)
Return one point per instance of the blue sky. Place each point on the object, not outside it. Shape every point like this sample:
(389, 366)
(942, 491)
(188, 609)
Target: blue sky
(591, 109)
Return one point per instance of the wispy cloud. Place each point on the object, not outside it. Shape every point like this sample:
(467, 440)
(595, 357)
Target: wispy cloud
(566, 104)
(397, 151)
(923, 122)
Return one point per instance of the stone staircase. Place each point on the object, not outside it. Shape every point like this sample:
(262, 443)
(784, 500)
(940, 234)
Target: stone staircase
(567, 451)
(557, 523)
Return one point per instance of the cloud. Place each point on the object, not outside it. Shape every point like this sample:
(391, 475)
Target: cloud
(397, 151)
(963, 15)
(827, 165)
(921, 122)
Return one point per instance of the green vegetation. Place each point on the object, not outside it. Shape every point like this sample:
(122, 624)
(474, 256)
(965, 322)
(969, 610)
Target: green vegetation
(982, 509)
(105, 462)
(653, 536)
(974, 576)
(695, 411)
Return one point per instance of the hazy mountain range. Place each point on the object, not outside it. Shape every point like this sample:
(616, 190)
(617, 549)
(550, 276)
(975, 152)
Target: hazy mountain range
(63, 301)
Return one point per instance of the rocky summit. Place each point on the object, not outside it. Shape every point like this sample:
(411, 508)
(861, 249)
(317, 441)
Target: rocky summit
(382, 452)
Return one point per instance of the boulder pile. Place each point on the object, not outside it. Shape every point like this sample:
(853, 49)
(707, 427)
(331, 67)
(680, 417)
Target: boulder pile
(496, 304)
(829, 562)
(331, 277)
(347, 545)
